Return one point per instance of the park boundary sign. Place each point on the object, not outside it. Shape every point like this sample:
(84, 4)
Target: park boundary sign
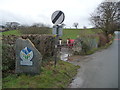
(26, 55)
(57, 17)
(28, 58)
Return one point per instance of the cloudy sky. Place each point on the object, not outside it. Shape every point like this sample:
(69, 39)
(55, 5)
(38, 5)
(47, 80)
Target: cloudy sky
(34, 11)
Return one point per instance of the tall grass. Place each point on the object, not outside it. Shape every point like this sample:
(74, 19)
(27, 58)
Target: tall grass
(49, 77)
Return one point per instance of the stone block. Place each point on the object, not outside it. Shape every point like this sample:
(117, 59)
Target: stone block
(28, 58)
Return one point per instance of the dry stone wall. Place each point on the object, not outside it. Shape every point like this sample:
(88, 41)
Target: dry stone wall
(44, 43)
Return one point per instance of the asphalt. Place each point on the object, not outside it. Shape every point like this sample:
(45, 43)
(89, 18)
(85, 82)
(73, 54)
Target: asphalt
(99, 70)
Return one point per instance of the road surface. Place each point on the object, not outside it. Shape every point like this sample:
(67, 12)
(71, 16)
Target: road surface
(99, 70)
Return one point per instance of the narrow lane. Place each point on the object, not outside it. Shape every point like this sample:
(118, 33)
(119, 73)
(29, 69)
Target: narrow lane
(99, 70)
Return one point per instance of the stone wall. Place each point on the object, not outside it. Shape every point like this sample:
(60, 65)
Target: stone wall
(44, 43)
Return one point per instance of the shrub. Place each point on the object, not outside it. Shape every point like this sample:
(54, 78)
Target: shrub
(35, 30)
(85, 47)
(102, 40)
(8, 59)
(86, 42)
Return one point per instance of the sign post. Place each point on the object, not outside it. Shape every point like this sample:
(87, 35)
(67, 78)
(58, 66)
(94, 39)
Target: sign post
(57, 19)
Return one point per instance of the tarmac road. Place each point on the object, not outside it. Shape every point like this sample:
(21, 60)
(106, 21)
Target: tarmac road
(99, 70)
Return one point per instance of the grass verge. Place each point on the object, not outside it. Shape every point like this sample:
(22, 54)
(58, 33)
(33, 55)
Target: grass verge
(50, 77)
(67, 33)
(12, 32)
(74, 33)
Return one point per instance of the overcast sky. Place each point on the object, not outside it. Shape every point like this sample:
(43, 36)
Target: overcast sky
(34, 11)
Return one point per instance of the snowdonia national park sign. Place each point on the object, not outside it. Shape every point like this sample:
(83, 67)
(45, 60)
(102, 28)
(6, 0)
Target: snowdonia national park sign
(28, 58)
(26, 55)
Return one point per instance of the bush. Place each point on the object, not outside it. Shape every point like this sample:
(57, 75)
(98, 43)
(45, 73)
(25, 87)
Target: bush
(86, 42)
(35, 30)
(102, 40)
(8, 59)
(85, 47)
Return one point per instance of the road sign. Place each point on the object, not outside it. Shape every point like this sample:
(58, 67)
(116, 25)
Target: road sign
(57, 17)
(57, 30)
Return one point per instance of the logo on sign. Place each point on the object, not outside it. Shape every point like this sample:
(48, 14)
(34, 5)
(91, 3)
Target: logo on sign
(26, 55)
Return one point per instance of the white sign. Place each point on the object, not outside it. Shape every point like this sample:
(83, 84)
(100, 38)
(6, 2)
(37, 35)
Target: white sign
(26, 55)
(57, 17)
(57, 30)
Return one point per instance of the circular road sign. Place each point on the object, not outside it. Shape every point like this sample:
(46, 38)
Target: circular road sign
(57, 17)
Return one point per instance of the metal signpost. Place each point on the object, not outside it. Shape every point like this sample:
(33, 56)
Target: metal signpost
(57, 31)
(57, 19)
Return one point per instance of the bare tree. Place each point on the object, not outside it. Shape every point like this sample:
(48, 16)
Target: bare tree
(105, 17)
(75, 25)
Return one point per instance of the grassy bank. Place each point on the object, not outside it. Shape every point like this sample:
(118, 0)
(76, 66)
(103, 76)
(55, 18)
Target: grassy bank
(70, 33)
(50, 77)
(74, 33)
(12, 32)
(67, 33)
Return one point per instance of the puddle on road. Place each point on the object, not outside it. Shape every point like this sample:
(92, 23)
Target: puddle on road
(64, 54)
(67, 55)
(64, 57)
